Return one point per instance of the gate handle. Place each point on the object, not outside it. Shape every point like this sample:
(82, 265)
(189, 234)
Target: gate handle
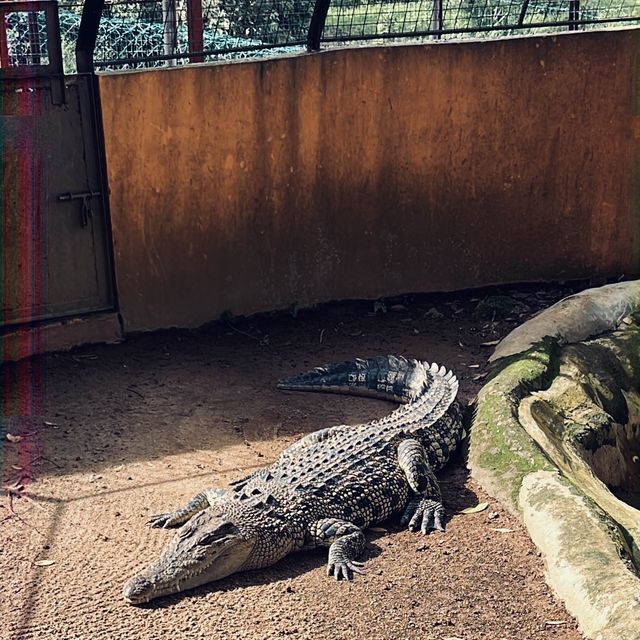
(85, 196)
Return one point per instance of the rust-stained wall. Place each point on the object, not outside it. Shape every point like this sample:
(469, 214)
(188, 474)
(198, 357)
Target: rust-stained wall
(368, 172)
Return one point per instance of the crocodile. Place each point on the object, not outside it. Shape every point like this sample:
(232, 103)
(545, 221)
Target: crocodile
(326, 488)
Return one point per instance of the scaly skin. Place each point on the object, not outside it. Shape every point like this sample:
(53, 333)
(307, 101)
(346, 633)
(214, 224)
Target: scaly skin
(325, 489)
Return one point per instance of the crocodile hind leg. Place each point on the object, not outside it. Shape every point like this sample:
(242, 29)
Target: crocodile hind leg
(200, 502)
(345, 541)
(424, 510)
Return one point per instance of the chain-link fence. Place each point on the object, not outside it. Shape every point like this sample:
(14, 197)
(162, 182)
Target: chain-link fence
(455, 19)
(145, 33)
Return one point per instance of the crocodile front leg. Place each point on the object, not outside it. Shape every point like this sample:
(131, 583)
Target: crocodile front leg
(345, 541)
(200, 502)
(424, 510)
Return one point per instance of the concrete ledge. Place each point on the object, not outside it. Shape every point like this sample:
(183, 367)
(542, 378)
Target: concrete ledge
(581, 551)
(60, 335)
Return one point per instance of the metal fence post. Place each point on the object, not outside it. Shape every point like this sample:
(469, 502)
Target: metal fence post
(4, 46)
(88, 34)
(169, 30)
(316, 26)
(523, 12)
(437, 18)
(574, 14)
(195, 29)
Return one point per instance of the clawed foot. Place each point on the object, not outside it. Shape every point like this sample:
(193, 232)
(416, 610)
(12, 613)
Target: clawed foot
(344, 569)
(423, 514)
(164, 521)
(343, 553)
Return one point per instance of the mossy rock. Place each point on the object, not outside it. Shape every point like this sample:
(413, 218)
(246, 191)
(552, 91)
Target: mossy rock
(501, 453)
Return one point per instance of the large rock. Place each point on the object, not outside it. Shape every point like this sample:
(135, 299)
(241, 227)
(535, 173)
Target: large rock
(562, 401)
(575, 318)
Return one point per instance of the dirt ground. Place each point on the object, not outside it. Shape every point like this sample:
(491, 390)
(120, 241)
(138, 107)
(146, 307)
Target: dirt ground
(104, 436)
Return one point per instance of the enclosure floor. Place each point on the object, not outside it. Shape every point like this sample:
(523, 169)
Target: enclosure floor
(113, 434)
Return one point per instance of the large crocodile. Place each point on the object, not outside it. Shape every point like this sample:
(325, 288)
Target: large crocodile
(326, 488)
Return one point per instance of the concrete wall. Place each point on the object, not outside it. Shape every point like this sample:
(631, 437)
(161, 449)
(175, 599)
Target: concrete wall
(369, 172)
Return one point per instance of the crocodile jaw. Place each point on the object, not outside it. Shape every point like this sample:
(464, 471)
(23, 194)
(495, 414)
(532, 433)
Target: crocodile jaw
(206, 548)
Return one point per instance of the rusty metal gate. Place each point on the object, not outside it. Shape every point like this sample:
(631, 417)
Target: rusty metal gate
(55, 257)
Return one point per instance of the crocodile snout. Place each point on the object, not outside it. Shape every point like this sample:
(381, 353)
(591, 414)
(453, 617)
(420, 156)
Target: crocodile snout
(135, 589)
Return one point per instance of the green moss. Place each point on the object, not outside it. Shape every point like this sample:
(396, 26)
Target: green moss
(501, 451)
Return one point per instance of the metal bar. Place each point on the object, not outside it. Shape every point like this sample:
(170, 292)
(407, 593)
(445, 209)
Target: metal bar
(25, 6)
(101, 160)
(78, 195)
(169, 30)
(316, 26)
(54, 48)
(4, 47)
(195, 29)
(523, 12)
(437, 18)
(88, 34)
(207, 52)
(574, 14)
(20, 74)
(34, 38)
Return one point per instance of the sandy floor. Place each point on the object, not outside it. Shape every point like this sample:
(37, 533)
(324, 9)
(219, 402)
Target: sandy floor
(112, 434)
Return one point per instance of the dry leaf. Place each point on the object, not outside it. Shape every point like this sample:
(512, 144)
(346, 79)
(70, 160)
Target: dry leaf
(378, 530)
(501, 530)
(480, 376)
(491, 343)
(474, 366)
(46, 423)
(44, 563)
(556, 622)
(15, 467)
(479, 507)
(12, 438)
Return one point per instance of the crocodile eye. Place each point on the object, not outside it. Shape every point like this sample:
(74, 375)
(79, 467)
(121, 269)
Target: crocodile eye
(222, 531)
(208, 538)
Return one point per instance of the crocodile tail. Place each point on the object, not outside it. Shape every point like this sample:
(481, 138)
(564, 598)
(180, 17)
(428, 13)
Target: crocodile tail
(385, 377)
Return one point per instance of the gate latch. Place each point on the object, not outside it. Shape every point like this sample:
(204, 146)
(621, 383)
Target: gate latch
(85, 196)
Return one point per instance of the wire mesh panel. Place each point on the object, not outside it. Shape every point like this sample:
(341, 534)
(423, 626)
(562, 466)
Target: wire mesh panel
(147, 33)
(26, 39)
(372, 19)
(266, 21)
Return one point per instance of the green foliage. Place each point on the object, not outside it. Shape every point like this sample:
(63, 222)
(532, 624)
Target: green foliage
(277, 21)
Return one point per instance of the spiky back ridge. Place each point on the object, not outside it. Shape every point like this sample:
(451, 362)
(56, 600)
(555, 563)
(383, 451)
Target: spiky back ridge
(428, 392)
